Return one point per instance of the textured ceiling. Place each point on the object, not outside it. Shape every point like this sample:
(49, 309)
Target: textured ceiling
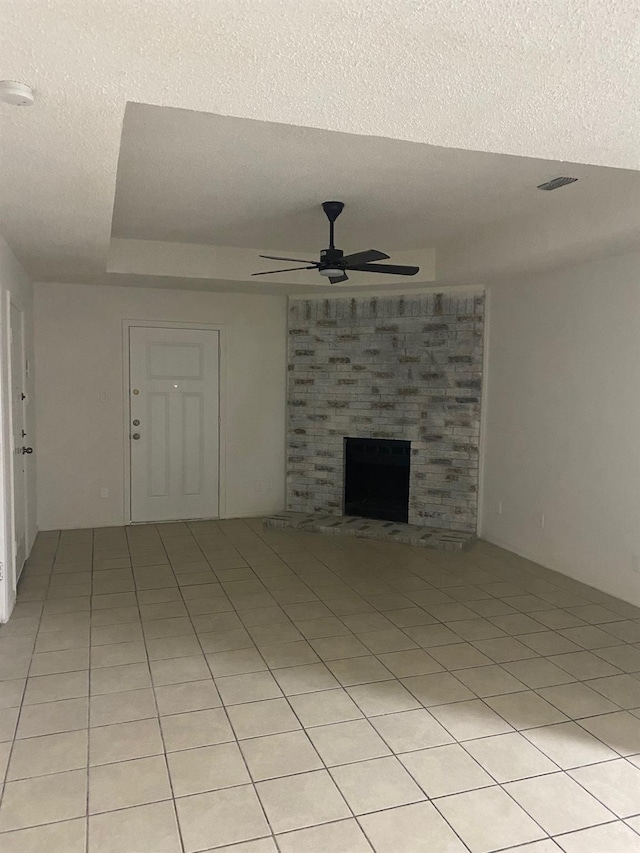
(555, 80)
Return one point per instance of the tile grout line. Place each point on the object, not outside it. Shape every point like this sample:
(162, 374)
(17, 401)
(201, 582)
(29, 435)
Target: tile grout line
(341, 579)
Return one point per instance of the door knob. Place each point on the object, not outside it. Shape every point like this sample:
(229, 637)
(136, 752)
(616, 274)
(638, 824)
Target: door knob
(135, 436)
(27, 449)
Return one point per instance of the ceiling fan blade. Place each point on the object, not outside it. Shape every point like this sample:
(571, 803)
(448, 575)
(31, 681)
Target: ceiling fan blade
(290, 269)
(388, 269)
(364, 257)
(295, 260)
(336, 279)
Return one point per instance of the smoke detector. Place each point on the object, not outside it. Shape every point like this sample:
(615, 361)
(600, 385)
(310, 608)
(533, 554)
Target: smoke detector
(556, 183)
(18, 94)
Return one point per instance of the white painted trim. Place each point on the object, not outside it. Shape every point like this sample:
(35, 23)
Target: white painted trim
(484, 397)
(220, 328)
(23, 381)
(23, 371)
(7, 590)
(9, 583)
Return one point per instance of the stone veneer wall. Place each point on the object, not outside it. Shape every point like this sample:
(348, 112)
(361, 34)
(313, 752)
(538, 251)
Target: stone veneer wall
(402, 367)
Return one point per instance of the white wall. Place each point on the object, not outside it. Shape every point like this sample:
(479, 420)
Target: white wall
(79, 355)
(562, 434)
(14, 284)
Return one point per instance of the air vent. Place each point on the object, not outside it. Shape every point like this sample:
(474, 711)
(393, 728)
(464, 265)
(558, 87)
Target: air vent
(556, 183)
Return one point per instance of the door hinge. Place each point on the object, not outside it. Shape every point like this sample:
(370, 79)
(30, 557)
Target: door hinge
(1, 571)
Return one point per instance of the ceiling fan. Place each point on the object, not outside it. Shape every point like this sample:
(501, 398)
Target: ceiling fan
(334, 264)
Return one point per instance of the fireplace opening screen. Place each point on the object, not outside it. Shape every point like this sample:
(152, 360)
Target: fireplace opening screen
(377, 478)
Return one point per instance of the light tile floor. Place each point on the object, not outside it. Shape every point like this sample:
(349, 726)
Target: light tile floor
(220, 686)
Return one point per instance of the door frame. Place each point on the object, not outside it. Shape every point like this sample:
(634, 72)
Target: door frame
(25, 486)
(222, 395)
(9, 575)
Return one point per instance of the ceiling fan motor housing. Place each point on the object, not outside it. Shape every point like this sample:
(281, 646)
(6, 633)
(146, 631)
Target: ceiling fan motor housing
(331, 258)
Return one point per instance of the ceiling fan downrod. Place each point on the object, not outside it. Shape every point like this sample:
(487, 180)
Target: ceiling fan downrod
(332, 210)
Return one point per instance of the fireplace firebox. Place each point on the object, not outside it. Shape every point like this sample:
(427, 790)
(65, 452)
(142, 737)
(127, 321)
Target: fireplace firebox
(376, 483)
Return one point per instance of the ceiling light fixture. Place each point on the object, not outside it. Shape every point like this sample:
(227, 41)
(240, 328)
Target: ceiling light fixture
(17, 94)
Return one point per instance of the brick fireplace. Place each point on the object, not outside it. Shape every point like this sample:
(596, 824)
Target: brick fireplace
(407, 368)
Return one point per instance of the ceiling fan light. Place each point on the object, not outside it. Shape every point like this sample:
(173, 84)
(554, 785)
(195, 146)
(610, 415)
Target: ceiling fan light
(331, 271)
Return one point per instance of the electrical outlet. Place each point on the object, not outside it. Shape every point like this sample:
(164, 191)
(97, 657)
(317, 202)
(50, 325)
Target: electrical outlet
(104, 492)
(635, 563)
(499, 508)
(103, 396)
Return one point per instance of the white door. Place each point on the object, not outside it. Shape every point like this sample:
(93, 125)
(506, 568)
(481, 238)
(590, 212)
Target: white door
(174, 431)
(18, 430)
